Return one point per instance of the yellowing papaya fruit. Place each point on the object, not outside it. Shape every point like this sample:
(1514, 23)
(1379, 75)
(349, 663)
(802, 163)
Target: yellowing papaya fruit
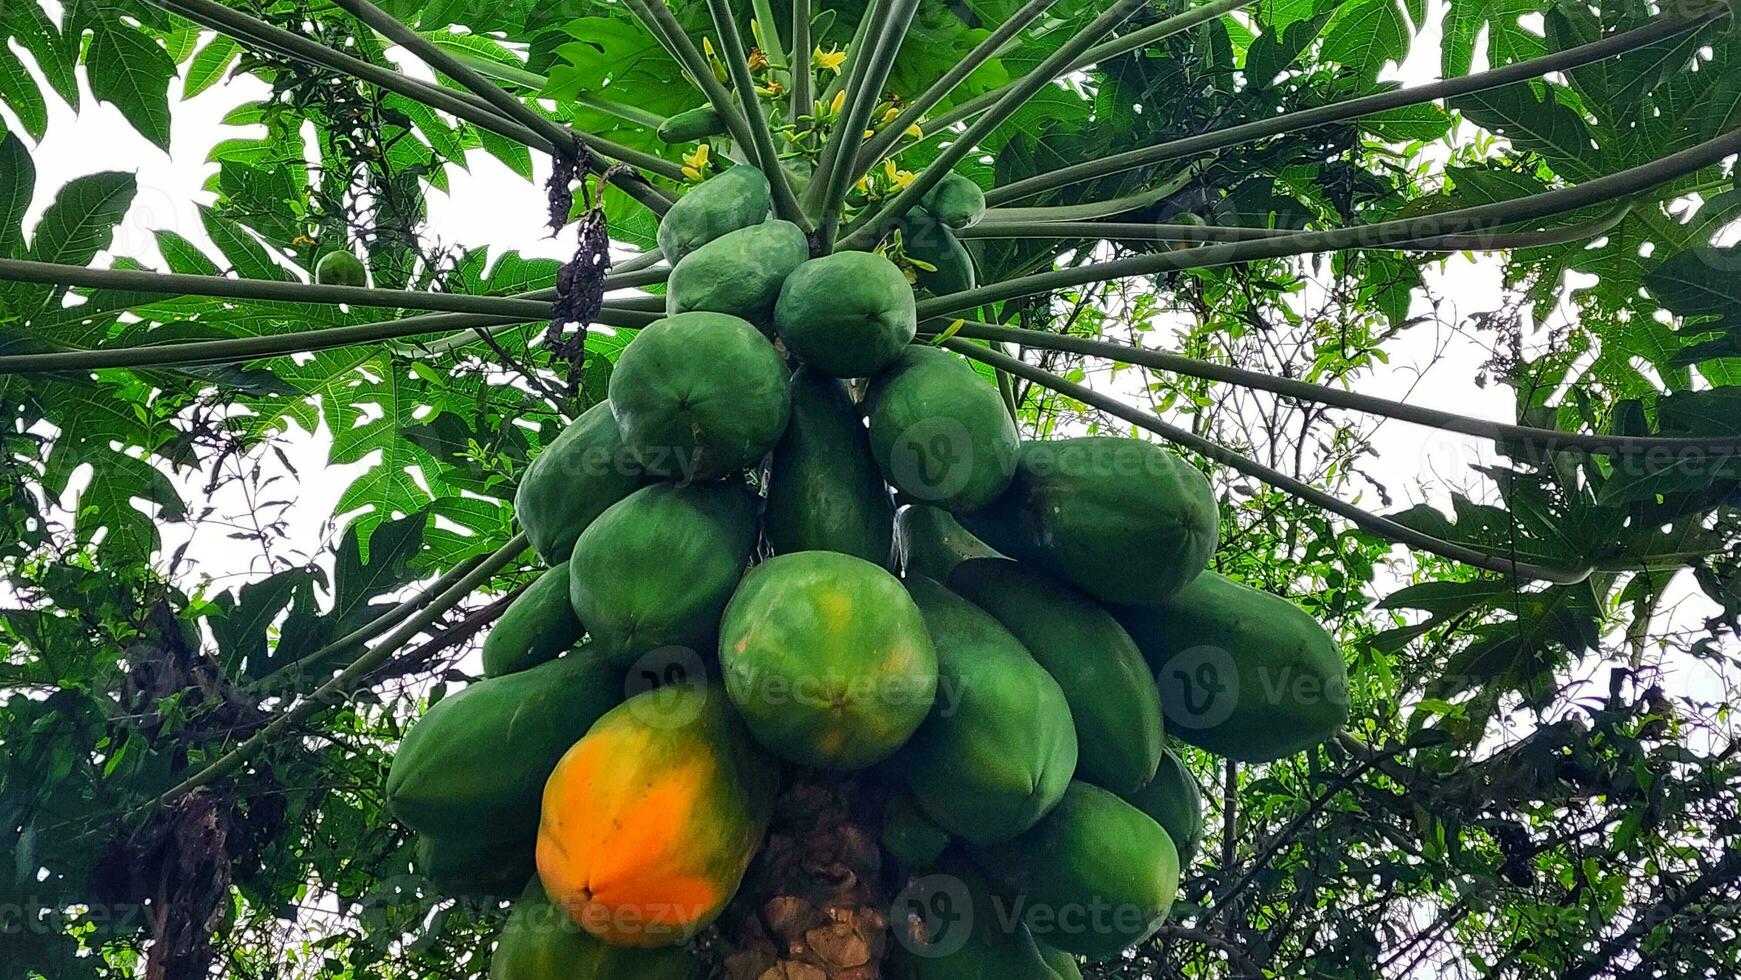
(475, 764)
(537, 626)
(700, 395)
(931, 542)
(956, 201)
(824, 491)
(1112, 696)
(585, 469)
(1098, 874)
(540, 942)
(650, 821)
(849, 314)
(470, 867)
(1121, 519)
(913, 838)
(998, 748)
(827, 659)
(1173, 800)
(690, 125)
(657, 568)
(739, 273)
(735, 199)
(1242, 673)
(940, 432)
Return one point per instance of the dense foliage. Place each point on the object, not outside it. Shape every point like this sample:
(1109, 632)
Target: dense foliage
(1539, 779)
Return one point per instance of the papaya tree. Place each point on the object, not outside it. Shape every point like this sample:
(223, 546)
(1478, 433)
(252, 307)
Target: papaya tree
(929, 524)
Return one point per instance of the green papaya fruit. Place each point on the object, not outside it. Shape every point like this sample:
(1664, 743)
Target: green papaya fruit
(537, 626)
(474, 765)
(700, 395)
(849, 314)
(739, 273)
(827, 659)
(1242, 673)
(340, 269)
(927, 240)
(940, 432)
(1098, 873)
(585, 469)
(998, 748)
(1112, 696)
(1121, 519)
(1173, 800)
(824, 491)
(467, 867)
(691, 125)
(738, 198)
(956, 201)
(540, 942)
(1062, 963)
(913, 838)
(657, 569)
(955, 927)
(931, 542)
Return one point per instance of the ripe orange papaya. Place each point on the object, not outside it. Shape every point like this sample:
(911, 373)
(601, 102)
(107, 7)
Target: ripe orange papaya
(539, 942)
(827, 659)
(650, 821)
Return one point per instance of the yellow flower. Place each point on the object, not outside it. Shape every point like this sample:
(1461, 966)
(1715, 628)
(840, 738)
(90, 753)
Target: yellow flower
(828, 60)
(695, 163)
(904, 177)
(758, 60)
(707, 46)
(863, 185)
(889, 169)
(889, 116)
(693, 174)
(915, 132)
(838, 103)
(771, 90)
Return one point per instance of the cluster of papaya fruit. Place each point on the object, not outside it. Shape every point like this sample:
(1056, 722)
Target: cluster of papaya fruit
(1003, 640)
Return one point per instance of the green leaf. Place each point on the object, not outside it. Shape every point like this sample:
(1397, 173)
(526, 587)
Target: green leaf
(208, 65)
(132, 74)
(17, 186)
(81, 222)
(365, 571)
(18, 90)
(1698, 282)
(1366, 35)
(55, 54)
(1534, 125)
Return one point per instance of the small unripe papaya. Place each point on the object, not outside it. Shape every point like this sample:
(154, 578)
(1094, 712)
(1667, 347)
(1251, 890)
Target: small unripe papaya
(340, 269)
(692, 124)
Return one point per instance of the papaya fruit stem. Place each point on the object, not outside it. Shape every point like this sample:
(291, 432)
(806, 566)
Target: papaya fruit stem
(1480, 219)
(1202, 143)
(1367, 521)
(803, 74)
(663, 25)
(344, 681)
(861, 98)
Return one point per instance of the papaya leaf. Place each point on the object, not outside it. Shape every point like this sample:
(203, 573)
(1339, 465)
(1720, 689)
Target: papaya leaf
(133, 73)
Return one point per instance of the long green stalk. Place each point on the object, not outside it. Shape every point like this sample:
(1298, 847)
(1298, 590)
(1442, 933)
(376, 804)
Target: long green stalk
(1546, 440)
(560, 137)
(1365, 520)
(803, 73)
(861, 101)
(134, 280)
(534, 82)
(1123, 44)
(255, 32)
(769, 42)
(1112, 231)
(731, 48)
(871, 227)
(663, 24)
(1089, 210)
(343, 682)
(985, 50)
(1584, 54)
(858, 57)
(1600, 191)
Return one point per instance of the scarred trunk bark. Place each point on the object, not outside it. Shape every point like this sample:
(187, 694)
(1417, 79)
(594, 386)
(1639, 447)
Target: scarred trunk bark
(814, 904)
